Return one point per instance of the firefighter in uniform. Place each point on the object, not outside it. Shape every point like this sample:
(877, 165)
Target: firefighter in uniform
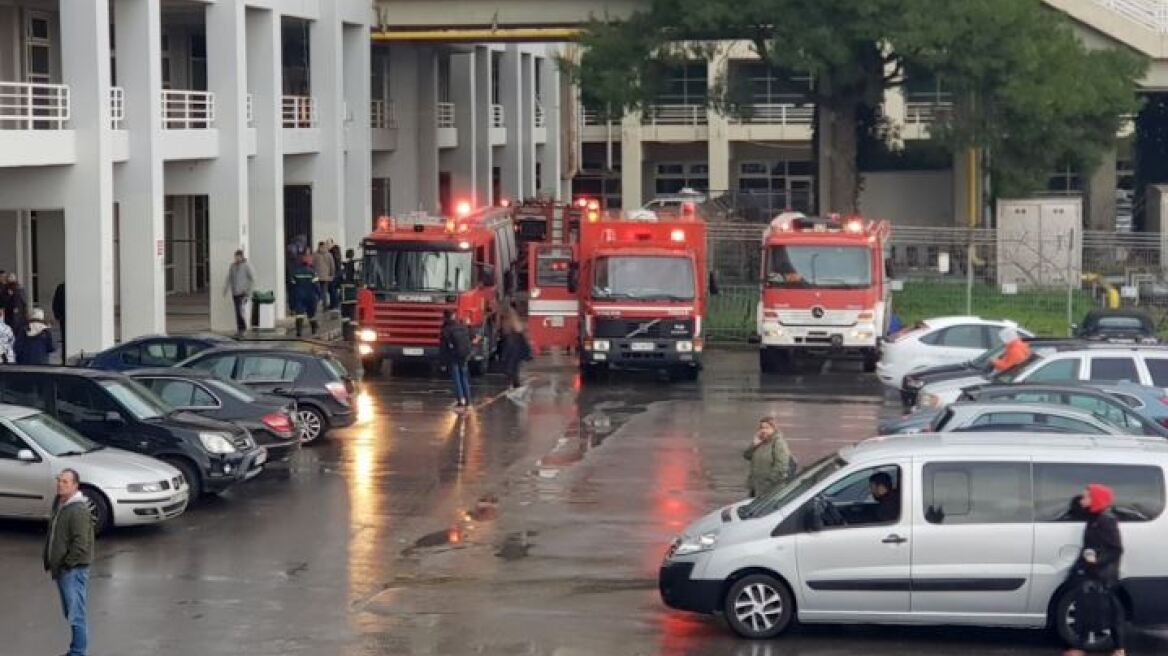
(304, 294)
(348, 296)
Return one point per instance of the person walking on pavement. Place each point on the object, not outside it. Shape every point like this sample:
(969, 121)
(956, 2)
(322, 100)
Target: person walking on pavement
(1098, 610)
(348, 276)
(455, 350)
(305, 293)
(239, 284)
(338, 274)
(325, 269)
(35, 342)
(68, 553)
(515, 350)
(770, 459)
(7, 341)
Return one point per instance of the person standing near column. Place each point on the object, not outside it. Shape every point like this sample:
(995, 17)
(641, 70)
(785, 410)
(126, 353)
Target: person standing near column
(325, 268)
(239, 284)
(68, 553)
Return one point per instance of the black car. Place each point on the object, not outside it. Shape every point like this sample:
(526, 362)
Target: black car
(317, 381)
(152, 351)
(271, 420)
(1118, 326)
(114, 410)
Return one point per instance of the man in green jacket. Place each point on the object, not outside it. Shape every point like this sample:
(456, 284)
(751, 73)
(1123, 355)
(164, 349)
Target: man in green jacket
(770, 459)
(68, 553)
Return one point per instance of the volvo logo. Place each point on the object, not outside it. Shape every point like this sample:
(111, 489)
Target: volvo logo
(818, 312)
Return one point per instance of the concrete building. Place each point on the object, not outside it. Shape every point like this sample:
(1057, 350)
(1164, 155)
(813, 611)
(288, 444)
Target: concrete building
(143, 141)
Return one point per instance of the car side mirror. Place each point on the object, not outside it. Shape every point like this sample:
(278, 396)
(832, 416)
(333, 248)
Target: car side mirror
(573, 277)
(26, 455)
(114, 417)
(812, 522)
(713, 284)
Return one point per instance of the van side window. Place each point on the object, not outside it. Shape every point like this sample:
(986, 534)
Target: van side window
(1139, 490)
(977, 492)
(75, 402)
(1057, 371)
(1158, 368)
(1114, 369)
(865, 498)
(28, 391)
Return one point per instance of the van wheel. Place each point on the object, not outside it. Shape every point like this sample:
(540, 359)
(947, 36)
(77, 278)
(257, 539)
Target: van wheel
(758, 607)
(1065, 625)
(103, 517)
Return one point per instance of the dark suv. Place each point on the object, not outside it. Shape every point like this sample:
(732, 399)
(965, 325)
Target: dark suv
(112, 409)
(313, 378)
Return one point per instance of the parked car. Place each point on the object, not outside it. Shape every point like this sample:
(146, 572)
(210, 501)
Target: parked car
(315, 379)
(1146, 365)
(938, 341)
(123, 488)
(1118, 325)
(1148, 402)
(113, 410)
(152, 351)
(1113, 402)
(972, 416)
(975, 532)
(271, 420)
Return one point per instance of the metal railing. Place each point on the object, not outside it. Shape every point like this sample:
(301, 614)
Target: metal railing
(1152, 14)
(33, 106)
(540, 116)
(187, 110)
(382, 114)
(690, 114)
(299, 112)
(925, 113)
(498, 118)
(250, 110)
(593, 117)
(444, 114)
(776, 114)
(117, 100)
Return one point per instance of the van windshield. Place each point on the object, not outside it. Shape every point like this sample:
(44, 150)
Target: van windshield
(810, 477)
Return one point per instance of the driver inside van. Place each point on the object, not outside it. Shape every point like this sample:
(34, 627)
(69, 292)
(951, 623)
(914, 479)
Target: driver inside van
(887, 497)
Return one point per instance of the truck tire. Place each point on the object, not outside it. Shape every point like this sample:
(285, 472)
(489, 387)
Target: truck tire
(767, 361)
(776, 361)
(871, 357)
(372, 366)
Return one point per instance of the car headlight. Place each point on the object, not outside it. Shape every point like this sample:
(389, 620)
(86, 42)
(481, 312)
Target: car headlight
(367, 335)
(217, 442)
(696, 544)
(144, 487)
(685, 346)
(600, 345)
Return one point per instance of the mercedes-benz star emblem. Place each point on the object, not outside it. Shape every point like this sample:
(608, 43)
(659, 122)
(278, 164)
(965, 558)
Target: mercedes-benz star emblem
(818, 312)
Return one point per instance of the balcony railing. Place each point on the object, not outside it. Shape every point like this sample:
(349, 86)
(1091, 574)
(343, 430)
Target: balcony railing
(593, 117)
(117, 100)
(187, 110)
(250, 110)
(299, 112)
(382, 114)
(776, 114)
(925, 113)
(444, 114)
(675, 115)
(498, 118)
(540, 116)
(1152, 14)
(33, 106)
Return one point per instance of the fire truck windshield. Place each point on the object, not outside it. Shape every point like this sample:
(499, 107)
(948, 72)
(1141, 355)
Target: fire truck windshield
(417, 270)
(820, 267)
(644, 278)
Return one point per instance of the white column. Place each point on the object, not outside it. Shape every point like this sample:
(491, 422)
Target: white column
(229, 208)
(406, 169)
(88, 194)
(464, 180)
(514, 183)
(359, 159)
(139, 180)
(550, 165)
(266, 168)
(427, 137)
(484, 153)
(328, 91)
(632, 159)
(718, 143)
(526, 135)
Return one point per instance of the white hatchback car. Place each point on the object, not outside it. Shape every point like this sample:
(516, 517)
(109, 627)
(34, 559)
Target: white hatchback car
(123, 488)
(938, 341)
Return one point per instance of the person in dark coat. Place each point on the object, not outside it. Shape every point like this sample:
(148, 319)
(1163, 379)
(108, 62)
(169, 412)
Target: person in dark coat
(15, 304)
(35, 342)
(1096, 573)
(338, 268)
(515, 348)
(305, 293)
(454, 347)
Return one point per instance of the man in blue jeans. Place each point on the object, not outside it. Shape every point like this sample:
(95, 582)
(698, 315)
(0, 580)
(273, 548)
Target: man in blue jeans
(68, 553)
(455, 347)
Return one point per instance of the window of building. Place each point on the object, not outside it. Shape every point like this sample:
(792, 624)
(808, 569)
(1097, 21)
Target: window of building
(496, 68)
(1065, 181)
(922, 86)
(684, 85)
(977, 493)
(381, 199)
(762, 85)
(1139, 490)
(444, 78)
(672, 177)
(772, 187)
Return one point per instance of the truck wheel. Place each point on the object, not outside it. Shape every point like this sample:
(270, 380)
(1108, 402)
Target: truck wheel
(371, 366)
(870, 360)
(759, 607)
(768, 360)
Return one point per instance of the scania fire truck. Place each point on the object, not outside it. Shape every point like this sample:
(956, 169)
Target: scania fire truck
(641, 282)
(417, 266)
(823, 290)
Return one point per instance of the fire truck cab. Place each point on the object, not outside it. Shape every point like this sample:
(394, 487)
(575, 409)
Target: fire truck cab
(642, 284)
(417, 266)
(823, 290)
(542, 221)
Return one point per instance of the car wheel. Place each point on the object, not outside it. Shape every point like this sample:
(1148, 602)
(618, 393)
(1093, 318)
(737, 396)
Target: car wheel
(99, 507)
(1065, 624)
(312, 424)
(190, 475)
(759, 606)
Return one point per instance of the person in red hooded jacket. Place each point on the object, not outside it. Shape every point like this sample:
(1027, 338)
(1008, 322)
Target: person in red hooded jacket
(1098, 610)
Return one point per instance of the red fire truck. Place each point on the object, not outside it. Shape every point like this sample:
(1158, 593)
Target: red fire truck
(543, 221)
(417, 266)
(823, 290)
(641, 282)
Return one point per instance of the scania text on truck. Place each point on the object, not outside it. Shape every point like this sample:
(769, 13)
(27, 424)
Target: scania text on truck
(418, 266)
(641, 283)
(823, 290)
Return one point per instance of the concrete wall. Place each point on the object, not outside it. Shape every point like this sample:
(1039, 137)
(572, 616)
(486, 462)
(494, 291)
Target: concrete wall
(917, 198)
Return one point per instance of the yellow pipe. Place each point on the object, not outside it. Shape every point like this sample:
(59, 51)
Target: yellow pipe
(479, 35)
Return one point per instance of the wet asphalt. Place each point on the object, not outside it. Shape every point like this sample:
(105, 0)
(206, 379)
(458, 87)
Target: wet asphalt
(532, 527)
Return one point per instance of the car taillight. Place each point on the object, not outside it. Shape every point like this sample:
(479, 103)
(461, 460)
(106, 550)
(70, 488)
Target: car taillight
(279, 422)
(1164, 401)
(339, 391)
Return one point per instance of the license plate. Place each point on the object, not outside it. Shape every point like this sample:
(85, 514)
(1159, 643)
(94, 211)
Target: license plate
(261, 458)
(413, 351)
(641, 346)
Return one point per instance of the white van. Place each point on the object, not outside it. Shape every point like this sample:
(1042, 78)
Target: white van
(981, 531)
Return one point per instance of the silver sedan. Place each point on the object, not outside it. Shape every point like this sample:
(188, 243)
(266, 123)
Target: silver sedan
(1019, 417)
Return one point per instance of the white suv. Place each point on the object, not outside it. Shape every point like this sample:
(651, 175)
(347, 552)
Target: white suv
(939, 341)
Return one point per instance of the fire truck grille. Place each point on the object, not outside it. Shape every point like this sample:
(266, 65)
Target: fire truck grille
(826, 318)
(644, 328)
(409, 323)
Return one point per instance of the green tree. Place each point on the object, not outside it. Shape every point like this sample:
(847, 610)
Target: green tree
(1025, 88)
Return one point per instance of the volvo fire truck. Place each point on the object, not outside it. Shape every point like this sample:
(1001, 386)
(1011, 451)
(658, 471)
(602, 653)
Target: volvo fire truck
(417, 266)
(824, 291)
(641, 283)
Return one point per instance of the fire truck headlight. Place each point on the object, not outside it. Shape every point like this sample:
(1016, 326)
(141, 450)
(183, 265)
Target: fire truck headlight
(364, 349)
(685, 346)
(464, 245)
(772, 331)
(367, 335)
(677, 235)
(861, 334)
(535, 292)
(866, 315)
(600, 345)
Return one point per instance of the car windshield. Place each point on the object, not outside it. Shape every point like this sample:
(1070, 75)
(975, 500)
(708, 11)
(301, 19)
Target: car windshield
(644, 277)
(1121, 324)
(233, 389)
(139, 401)
(417, 270)
(819, 267)
(54, 437)
(810, 477)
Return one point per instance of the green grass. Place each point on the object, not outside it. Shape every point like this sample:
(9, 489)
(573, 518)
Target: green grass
(1043, 312)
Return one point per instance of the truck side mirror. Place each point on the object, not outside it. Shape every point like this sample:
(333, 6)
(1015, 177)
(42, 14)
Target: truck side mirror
(573, 277)
(713, 284)
(486, 275)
